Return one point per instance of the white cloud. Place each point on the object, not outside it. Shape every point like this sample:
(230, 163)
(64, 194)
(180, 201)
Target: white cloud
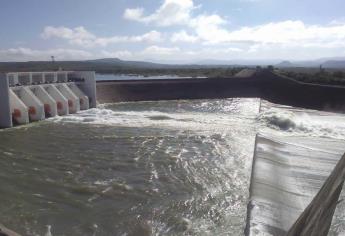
(339, 21)
(134, 14)
(156, 50)
(209, 27)
(27, 54)
(183, 36)
(179, 12)
(212, 29)
(171, 12)
(81, 37)
(211, 38)
(285, 32)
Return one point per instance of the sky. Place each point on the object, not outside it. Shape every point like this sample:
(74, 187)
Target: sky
(171, 30)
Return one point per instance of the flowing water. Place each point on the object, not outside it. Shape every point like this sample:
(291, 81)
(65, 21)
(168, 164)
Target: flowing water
(144, 168)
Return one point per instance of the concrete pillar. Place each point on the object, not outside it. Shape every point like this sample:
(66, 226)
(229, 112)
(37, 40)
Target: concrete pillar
(5, 112)
(37, 78)
(60, 99)
(88, 86)
(12, 79)
(73, 100)
(83, 99)
(50, 106)
(19, 111)
(36, 108)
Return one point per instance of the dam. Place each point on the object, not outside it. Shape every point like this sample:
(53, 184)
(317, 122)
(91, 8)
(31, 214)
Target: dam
(168, 166)
(34, 96)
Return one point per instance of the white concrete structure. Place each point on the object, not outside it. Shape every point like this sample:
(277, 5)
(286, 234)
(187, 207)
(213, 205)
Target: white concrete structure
(61, 101)
(287, 173)
(19, 111)
(73, 100)
(34, 96)
(34, 105)
(50, 105)
(83, 99)
(5, 114)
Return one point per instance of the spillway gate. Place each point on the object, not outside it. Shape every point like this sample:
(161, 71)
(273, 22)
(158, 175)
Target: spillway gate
(35, 96)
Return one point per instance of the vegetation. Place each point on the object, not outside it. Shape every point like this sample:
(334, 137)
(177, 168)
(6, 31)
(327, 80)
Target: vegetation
(122, 67)
(321, 76)
(116, 66)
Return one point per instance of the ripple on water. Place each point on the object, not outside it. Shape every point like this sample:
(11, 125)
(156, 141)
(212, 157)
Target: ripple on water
(155, 168)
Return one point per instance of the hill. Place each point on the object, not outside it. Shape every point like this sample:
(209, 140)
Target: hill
(285, 64)
(334, 64)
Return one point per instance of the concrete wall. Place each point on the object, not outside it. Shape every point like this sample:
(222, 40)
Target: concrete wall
(263, 84)
(5, 113)
(283, 90)
(170, 89)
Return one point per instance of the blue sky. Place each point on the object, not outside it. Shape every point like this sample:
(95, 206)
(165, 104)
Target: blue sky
(171, 30)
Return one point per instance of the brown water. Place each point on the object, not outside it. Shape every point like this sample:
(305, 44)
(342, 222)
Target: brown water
(145, 168)
(160, 168)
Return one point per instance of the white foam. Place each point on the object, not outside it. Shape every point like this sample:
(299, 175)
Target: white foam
(310, 123)
(188, 120)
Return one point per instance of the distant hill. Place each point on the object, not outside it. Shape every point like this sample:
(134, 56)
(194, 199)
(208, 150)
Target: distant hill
(334, 64)
(106, 65)
(119, 62)
(285, 64)
(106, 60)
(238, 62)
(116, 65)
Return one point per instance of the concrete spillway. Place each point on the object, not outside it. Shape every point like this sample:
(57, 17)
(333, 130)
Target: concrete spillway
(287, 173)
(34, 96)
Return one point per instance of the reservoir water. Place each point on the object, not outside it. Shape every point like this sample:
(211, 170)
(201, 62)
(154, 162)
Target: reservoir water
(144, 168)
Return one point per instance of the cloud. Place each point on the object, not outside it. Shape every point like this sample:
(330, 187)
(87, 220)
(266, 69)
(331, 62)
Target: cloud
(179, 12)
(285, 32)
(171, 12)
(156, 50)
(183, 36)
(81, 37)
(212, 29)
(27, 54)
(135, 14)
(210, 36)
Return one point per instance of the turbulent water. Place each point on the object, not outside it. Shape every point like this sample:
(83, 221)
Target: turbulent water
(145, 168)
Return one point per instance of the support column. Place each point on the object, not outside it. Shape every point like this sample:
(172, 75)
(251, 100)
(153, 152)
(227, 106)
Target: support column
(73, 100)
(5, 114)
(19, 111)
(61, 101)
(36, 108)
(50, 106)
(83, 99)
